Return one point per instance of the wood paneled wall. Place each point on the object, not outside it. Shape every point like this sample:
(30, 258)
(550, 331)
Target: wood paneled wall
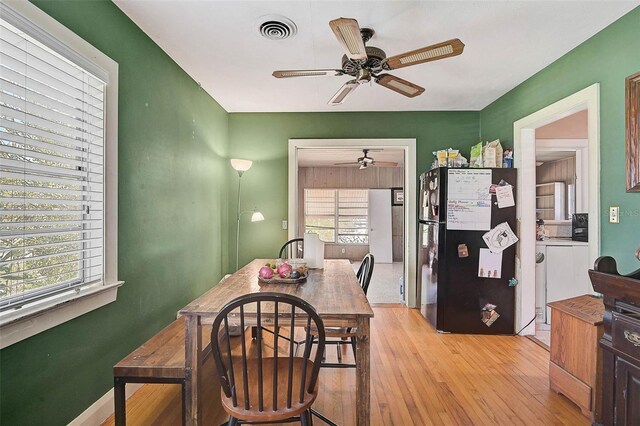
(352, 177)
(557, 171)
(563, 170)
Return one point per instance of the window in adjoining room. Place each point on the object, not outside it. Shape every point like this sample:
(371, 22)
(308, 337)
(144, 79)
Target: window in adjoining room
(337, 215)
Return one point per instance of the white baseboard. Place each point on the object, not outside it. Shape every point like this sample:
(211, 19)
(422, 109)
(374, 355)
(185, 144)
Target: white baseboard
(100, 410)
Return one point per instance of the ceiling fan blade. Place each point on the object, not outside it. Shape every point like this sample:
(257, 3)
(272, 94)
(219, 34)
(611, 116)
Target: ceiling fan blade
(306, 73)
(351, 163)
(347, 32)
(385, 164)
(399, 85)
(343, 93)
(426, 54)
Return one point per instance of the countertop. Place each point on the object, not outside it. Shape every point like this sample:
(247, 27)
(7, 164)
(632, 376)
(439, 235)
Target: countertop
(561, 242)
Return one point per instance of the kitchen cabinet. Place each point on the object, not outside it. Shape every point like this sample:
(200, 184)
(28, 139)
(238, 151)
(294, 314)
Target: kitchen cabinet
(550, 201)
(566, 272)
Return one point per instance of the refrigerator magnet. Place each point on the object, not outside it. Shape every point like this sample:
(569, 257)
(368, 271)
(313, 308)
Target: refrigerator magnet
(463, 251)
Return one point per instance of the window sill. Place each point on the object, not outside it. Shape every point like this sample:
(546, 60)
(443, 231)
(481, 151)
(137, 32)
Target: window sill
(20, 324)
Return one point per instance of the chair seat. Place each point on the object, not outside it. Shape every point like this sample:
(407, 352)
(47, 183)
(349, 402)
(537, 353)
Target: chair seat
(268, 414)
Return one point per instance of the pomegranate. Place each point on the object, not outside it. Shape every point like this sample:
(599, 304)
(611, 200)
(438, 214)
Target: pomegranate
(284, 270)
(266, 272)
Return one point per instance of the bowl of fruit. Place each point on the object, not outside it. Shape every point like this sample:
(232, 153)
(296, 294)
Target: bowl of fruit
(283, 272)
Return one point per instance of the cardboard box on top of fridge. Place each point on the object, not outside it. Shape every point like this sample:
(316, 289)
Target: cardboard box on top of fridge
(492, 154)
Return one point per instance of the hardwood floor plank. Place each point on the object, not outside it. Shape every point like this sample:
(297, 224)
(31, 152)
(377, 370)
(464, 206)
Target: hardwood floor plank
(418, 377)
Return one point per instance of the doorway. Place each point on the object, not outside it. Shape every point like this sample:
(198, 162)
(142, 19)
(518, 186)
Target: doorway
(562, 191)
(525, 161)
(384, 182)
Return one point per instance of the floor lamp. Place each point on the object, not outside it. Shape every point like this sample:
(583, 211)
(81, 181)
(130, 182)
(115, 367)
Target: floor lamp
(242, 166)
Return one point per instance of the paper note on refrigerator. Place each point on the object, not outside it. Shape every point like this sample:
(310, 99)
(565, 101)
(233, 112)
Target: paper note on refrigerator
(500, 237)
(490, 264)
(504, 194)
(468, 199)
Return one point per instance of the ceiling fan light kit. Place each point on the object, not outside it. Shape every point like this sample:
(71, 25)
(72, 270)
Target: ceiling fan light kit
(367, 62)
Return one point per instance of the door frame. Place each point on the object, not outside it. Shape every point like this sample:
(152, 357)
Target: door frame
(410, 204)
(524, 141)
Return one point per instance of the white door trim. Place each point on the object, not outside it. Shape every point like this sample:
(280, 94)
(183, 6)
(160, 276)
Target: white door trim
(410, 179)
(524, 159)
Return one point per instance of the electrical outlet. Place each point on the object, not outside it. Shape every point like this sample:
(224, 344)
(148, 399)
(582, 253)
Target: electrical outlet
(614, 214)
(285, 225)
(342, 250)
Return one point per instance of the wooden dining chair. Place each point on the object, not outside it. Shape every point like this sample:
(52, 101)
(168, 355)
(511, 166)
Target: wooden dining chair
(266, 389)
(292, 249)
(346, 335)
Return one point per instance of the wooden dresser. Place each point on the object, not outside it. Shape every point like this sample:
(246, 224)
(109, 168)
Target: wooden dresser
(576, 360)
(620, 342)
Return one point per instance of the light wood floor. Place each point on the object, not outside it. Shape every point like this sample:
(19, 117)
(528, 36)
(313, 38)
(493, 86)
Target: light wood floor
(418, 377)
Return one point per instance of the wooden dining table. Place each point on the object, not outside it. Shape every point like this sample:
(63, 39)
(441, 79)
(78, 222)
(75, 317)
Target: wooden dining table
(333, 291)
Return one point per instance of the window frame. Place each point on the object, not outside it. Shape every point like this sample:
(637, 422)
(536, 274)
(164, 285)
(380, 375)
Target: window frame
(45, 313)
(336, 201)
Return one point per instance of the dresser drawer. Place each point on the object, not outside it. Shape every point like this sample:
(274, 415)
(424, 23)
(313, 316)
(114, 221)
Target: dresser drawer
(625, 334)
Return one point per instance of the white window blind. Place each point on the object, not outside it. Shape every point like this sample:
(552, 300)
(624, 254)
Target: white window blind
(353, 216)
(51, 171)
(337, 215)
(320, 213)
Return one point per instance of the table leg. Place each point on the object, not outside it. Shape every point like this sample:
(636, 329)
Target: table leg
(363, 373)
(120, 400)
(193, 351)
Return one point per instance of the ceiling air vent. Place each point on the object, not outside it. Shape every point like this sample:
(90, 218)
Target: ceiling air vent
(276, 27)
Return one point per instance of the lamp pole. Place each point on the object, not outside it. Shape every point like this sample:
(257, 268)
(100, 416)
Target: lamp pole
(240, 172)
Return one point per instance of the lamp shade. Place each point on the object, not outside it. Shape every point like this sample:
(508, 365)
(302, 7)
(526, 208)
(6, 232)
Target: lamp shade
(257, 217)
(241, 165)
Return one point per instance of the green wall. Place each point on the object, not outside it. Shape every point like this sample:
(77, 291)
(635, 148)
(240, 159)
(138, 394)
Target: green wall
(263, 137)
(607, 58)
(173, 224)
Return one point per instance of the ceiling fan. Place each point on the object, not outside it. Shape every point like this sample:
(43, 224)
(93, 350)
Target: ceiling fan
(367, 62)
(366, 161)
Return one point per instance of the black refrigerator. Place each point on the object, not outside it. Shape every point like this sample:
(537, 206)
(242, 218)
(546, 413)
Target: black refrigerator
(457, 296)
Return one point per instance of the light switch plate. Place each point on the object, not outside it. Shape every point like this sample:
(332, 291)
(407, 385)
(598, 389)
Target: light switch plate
(285, 225)
(614, 214)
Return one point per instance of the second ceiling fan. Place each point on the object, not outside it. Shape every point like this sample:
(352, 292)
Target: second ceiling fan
(367, 62)
(366, 161)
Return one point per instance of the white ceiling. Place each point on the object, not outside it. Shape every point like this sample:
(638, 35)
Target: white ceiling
(218, 44)
(328, 157)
